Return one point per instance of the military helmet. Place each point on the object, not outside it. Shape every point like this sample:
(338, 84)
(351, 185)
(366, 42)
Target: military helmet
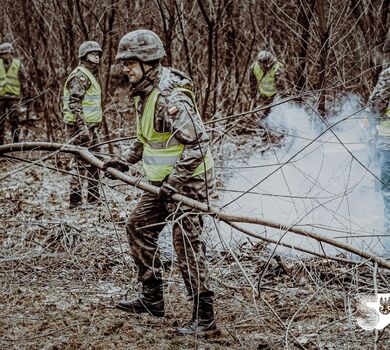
(142, 44)
(266, 57)
(87, 47)
(5, 48)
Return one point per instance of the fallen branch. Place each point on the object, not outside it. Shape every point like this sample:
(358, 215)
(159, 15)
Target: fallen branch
(32, 256)
(213, 211)
(235, 226)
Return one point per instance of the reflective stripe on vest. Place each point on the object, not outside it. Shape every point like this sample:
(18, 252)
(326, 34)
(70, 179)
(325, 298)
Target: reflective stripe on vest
(92, 101)
(9, 81)
(162, 150)
(266, 82)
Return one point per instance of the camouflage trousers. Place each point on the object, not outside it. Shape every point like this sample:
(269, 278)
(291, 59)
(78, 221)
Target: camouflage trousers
(9, 111)
(263, 101)
(143, 228)
(83, 169)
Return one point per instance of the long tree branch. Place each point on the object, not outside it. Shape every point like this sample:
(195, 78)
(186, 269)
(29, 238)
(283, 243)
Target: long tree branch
(213, 211)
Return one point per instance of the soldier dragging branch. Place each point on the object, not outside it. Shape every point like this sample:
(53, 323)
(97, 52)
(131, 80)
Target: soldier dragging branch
(174, 148)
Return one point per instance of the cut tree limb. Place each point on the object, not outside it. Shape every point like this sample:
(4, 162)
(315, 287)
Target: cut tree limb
(213, 211)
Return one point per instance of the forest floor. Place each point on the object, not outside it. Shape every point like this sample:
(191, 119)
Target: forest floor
(62, 272)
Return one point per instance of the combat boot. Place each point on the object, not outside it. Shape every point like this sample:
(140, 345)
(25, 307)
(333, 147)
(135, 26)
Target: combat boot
(202, 317)
(151, 301)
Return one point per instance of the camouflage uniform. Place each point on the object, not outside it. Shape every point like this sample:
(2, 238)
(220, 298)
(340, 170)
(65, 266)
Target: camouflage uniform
(77, 86)
(378, 105)
(380, 96)
(176, 113)
(260, 100)
(9, 107)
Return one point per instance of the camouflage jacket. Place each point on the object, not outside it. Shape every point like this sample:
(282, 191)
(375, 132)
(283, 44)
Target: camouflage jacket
(175, 112)
(77, 86)
(380, 96)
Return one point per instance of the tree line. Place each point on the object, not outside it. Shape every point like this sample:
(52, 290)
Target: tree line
(329, 47)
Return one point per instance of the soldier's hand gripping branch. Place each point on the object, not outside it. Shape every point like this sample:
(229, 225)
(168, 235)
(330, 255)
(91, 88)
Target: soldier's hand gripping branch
(115, 164)
(166, 191)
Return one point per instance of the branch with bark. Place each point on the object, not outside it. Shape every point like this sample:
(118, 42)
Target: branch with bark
(215, 212)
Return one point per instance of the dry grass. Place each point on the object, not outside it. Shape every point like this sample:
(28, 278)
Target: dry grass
(61, 273)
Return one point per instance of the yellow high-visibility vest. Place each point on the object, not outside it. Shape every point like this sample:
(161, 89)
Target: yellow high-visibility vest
(161, 150)
(9, 80)
(266, 82)
(92, 101)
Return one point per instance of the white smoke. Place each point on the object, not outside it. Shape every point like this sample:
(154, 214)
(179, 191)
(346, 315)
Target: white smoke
(327, 185)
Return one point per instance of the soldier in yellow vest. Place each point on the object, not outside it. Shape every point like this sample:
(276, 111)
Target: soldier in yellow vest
(11, 85)
(82, 110)
(266, 79)
(175, 151)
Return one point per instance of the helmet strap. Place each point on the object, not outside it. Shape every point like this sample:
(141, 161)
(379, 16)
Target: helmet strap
(144, 74)
(88, 64)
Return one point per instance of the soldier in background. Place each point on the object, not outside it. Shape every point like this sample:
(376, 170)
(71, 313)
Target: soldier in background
(266, 80)
(12, 84)
(83, 114)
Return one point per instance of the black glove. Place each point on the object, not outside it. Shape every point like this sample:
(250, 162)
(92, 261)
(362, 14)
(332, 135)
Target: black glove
(166, 192)
(116, 164)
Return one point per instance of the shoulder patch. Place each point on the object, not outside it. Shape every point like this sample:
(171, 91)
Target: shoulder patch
(173, 110)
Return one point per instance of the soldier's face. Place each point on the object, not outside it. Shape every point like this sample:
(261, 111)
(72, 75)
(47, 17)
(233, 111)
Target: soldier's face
(5, 56)
(264, 66)
(133, 70)
(94, 57)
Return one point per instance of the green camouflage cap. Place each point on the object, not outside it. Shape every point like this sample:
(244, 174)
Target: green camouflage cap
(265, 57)
(142, 44)
(87, 47)
(5, 48)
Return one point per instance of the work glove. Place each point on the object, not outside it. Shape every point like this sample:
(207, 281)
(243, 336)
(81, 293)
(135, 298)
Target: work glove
(166, 191)
(116, 164)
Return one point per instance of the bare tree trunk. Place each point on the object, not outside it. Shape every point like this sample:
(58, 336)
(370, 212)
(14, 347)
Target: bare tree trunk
(167, 12)
(188, 60)
(304, 17)
(210, 36)
(84, 28)
(27, 10)
(323, 55)
(109, 54)
(247, 61)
